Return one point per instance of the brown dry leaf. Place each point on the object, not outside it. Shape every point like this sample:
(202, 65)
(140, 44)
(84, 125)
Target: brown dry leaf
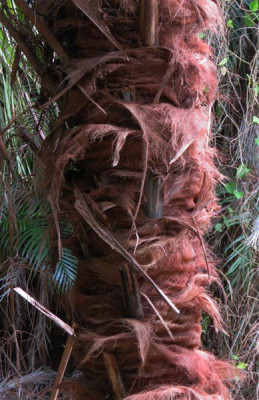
(92, 9)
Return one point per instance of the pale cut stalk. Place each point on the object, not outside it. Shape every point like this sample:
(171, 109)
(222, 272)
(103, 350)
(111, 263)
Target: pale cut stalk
(45, 311)
(62, 367)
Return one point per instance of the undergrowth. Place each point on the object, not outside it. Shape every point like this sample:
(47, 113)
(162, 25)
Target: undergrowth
(26, 335)
(236, 229)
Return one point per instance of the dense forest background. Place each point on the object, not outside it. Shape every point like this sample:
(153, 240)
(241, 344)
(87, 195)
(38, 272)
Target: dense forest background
(27, 337)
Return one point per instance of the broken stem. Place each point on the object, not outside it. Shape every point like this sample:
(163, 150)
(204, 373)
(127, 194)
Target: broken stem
(149, 21)
(45, 311)
(62, 367)
(114, 375)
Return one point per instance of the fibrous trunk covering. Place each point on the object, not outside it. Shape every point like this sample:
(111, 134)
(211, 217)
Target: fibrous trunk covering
(129, 162)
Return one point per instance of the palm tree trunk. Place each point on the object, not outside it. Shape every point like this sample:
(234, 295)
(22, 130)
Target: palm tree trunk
(129, 163)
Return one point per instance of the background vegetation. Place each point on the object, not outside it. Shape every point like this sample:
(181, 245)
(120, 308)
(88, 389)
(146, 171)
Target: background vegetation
(26, 240)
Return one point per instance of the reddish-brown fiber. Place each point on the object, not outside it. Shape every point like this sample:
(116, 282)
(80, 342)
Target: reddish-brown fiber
(131, 148)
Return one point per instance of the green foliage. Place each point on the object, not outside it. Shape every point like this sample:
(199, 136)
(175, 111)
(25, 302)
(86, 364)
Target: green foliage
(31, 236)
(219, 227)
(251, 16)
(65, 272)
(205, 323)
(239, 364)
(253, 5)
(23, 212)
(238, 255)
(242, 170)
(231, 188)
(242, 365)
(223, 62)
(230, 23)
